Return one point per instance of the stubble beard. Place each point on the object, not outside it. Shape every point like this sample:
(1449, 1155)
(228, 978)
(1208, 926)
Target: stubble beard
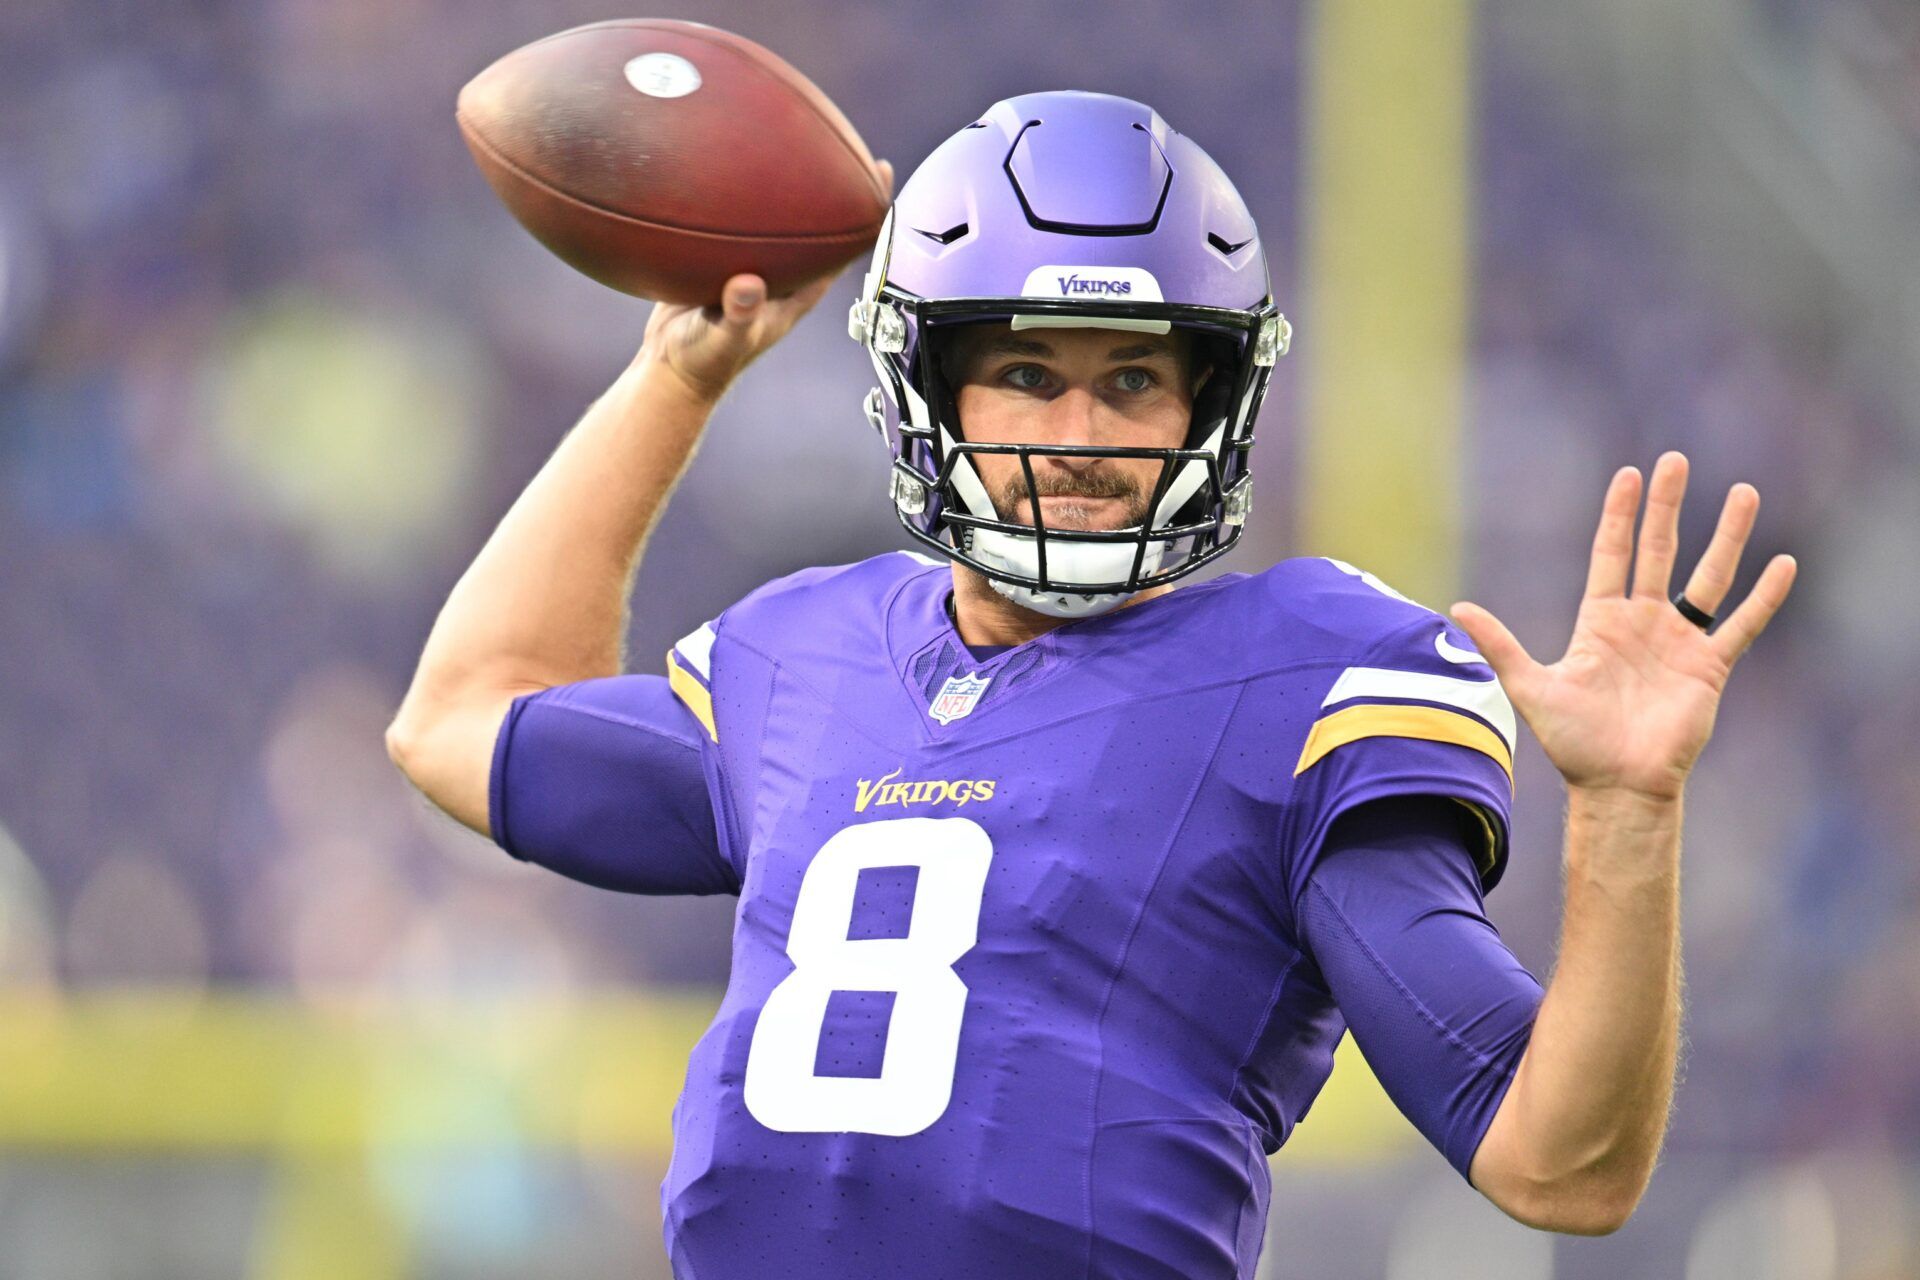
(1012, 500)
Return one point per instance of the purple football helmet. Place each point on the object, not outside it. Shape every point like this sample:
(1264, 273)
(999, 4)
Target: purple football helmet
(1059, 210)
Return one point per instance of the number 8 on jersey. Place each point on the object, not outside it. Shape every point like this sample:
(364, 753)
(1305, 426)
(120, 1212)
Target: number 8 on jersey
(915, 1083)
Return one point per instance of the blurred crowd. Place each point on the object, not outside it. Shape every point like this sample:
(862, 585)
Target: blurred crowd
(273, 360)
(1879, 40)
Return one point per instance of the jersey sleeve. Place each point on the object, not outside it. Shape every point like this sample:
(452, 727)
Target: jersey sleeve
(613, 781)
(1395, 921)
(1419, 713)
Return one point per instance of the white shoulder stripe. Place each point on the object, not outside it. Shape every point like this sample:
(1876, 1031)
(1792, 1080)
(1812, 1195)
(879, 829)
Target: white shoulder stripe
(1484, 698)
(1454, 653)
(1371, 581)
(923, 559)
(696, 651)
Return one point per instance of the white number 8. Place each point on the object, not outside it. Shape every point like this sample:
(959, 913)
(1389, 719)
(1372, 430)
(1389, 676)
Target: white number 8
(915, 1083)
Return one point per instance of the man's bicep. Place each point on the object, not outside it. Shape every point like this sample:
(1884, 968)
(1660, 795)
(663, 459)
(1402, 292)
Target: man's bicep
(607, 782)
(1393, 917)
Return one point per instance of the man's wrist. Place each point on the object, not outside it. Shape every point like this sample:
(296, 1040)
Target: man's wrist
(1625, 807)
(665, 377)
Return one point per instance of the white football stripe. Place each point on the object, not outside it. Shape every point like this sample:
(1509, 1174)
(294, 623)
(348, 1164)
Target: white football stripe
(915, 409)
(966, 481)
(1187, 480)
(1483, 698)
(696, 652)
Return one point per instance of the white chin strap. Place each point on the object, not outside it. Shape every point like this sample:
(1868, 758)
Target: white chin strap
(1067, 563)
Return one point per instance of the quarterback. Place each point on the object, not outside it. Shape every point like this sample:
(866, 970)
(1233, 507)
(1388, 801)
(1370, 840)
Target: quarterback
(1059, 880)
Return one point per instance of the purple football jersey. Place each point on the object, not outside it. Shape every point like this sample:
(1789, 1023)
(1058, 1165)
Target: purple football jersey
(1016, 984)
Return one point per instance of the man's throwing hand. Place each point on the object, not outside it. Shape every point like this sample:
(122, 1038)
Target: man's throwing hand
(707, 347)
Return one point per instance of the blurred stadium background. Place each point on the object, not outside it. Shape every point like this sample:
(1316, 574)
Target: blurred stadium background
(273, 360)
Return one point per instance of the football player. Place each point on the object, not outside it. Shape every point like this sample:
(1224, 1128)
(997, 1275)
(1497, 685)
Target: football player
(1059, 883)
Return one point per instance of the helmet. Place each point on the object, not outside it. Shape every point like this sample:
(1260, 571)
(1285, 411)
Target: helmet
(1068, 210)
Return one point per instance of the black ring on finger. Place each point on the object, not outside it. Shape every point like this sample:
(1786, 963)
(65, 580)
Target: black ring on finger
(1692, 612)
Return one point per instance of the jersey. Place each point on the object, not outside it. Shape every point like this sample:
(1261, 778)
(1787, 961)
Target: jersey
(1018, 984)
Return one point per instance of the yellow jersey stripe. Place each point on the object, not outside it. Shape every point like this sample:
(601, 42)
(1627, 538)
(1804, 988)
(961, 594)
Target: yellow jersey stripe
(1382, 720)
(1484, 856)
(691, 692)
(1485, 698)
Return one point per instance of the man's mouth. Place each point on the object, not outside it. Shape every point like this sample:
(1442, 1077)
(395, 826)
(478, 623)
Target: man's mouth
(1062, 501)
(1080, 505)
(1069, 511)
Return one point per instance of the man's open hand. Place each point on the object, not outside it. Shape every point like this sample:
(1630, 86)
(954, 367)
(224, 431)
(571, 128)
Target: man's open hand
(1631, 703)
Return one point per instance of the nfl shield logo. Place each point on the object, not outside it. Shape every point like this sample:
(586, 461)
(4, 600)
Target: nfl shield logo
(958, 697)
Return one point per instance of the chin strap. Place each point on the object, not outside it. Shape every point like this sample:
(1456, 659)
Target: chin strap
(1056, 605)
(1068, 562)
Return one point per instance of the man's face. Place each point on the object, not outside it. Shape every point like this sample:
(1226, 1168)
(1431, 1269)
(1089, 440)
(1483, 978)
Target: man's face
(1072, 387)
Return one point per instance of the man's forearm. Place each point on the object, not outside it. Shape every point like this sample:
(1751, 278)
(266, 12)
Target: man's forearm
(1588, 1105)
(545, 601)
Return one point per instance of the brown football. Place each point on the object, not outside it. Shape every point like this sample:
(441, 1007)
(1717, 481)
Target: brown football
(661, 157)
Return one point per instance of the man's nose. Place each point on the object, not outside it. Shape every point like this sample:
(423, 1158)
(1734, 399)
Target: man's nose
(1074, 412)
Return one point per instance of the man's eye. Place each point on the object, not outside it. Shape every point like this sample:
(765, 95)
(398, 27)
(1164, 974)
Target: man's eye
(1135, 380)
(1025, 376)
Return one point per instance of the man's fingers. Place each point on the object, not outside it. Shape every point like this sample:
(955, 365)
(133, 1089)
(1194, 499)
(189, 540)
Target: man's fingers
(1613, 540)
(741, 299)
(1660, 527)
(1737, 634)
(886, 174)
(1713, 577)
(1508, 658)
